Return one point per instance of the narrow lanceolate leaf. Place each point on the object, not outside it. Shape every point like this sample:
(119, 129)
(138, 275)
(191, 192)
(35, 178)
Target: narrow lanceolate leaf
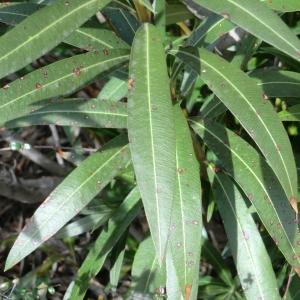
(147, 276)
(67, 200)
(75, 112)
(245, 242)
(151, 132)
(186, 221)
(259, 20)
(107, 239)
(115, 89)
(246, 101)
(259, 183)
(275, 83)
(93, 39)
(292, 114)
(59, 78)
(33, 38)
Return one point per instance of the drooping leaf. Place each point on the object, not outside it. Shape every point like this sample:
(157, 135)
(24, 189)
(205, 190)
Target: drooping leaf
(256, 276)
(107, 239)
(151, 132)
(73, 194)
(62, 77)
(258, 182)
(292, 114)
(186, 221)
(257, 19)
(33, 38)
(275, 83)
(147, 277)
(245, 100)
(74, 112)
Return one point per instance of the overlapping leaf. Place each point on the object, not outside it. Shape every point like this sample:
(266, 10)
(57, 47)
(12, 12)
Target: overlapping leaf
(59, 78)
(96, 257)
(292, 114)
(73, 194)
(256, 276)
(259, 20)
(186, 221)
(33, 38)
(75, 112)
(151, 132)
(245, 100)
(258, 182)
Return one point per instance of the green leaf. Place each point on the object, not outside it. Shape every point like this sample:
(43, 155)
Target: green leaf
(275, 83)
(72, 195)
(75, 112)
(93, 39)
(107, 239)
(258, 182)
(186, 221)
(245, 100)
(282, 5)
(152, 133)
(256, 276)
(115, 89)
(147, 277)
(62, 77)
(33, 38)
(124, 23)
(292, 114)
(257, 19)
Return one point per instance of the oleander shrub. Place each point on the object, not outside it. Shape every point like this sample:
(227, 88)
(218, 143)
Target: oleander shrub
(193, 192)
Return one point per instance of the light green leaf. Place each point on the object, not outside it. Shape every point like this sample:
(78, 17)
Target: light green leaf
(276, 83)
(256, 276)
(282, 5)
(147, 277)
(259, 20)
(72, 195)
(186, 221)
(258, 182)
(107, 239)
(292, 114)
(33, 38)
(62, 77)
(74, 112)
(95, 39)
(245, 100)
(151, 132)
(115, 89)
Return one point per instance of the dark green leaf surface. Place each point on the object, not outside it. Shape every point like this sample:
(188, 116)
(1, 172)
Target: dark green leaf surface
(256, 276)
(59, 78)
(177, 13)
(258, 182)
(186, 221)
(96, 257)
(276, 83)
(75, 112)
(33, 38)
(72, 195)
(245, 100)
(258, 20)
(151, 132)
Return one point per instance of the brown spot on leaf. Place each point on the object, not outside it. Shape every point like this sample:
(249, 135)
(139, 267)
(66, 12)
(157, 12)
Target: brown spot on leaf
(77, 71)
(187, 292)
(38, 85)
